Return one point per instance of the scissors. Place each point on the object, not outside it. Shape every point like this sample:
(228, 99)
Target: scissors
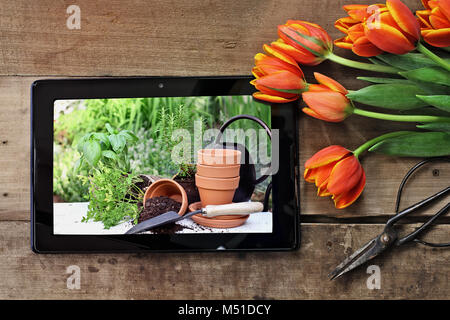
(389, 237)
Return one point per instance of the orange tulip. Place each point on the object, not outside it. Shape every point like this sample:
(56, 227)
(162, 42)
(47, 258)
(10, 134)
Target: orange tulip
(435, 22)
(308, 43)
(336, 171)
(372, 30)
(327, 100)
(279, 79)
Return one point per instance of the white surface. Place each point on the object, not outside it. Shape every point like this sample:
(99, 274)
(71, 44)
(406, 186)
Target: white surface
(67, 220)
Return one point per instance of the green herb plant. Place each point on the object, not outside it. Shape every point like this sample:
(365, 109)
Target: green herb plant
(113, 194)
(111, 149)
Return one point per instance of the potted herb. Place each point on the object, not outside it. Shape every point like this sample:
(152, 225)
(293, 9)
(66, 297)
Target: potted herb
(185, 172)
(113, 193)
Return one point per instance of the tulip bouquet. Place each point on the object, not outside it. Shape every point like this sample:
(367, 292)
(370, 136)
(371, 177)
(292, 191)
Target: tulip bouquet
(414, 53)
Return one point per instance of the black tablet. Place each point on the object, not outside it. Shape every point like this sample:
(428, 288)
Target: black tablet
(108, 154)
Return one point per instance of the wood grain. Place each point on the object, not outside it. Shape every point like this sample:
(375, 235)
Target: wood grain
(293, 275)
(148, 37)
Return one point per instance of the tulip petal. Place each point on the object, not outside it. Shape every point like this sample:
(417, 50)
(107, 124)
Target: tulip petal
(310, 174)
(330, 83)
(272, 92)
(331, 106)
(257, 73)
(322, 190)
(344, 43)
(269, 98)
(423, 16)
(298, 37)
(439, 22)
(356, 32)
(389, 39)
(437, 38)
(364, 48)
(425, 4)
(326, 156)
(345, 175)
(345, 199)
(317, 88)
(343, 24)
(404, 17)
(302, 56)
(282, 81)
(262, 59)
(444, 6)
(323, 173)
(280, 55)
(312, 113)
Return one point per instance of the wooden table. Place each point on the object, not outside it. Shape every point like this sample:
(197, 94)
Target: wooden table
(196, 38)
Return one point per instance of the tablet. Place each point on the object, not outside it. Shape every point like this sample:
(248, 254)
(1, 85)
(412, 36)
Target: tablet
(108, 154)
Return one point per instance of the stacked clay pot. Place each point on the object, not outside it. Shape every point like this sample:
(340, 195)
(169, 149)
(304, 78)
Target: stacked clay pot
(217, 179)
(217, 175)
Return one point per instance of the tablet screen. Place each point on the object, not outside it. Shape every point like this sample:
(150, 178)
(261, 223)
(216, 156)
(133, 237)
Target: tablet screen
(120, 162)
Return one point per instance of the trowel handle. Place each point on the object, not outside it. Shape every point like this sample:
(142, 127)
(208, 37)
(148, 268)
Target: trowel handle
(241, 208)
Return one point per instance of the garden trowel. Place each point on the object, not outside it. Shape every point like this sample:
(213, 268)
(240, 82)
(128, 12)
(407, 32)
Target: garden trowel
(241, 209)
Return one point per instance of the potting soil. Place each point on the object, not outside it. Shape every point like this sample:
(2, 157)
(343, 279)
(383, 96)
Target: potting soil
(159, 205)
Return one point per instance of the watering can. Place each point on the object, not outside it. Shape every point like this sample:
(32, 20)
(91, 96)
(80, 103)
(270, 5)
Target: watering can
(247, 172)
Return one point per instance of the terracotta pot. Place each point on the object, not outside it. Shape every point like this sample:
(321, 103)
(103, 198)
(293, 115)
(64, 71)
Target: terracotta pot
(219, 157)
(217, 222)
(216, 190)
(168, 188)
(218, 172)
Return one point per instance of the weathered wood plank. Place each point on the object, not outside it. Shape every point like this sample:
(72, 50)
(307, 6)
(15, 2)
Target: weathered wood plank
(149, 38)
(410, 272)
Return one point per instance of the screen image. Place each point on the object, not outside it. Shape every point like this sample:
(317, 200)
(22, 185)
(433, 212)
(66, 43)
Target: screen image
(121, 162)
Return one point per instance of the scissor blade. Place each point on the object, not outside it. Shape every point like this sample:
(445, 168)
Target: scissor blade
(369, 251)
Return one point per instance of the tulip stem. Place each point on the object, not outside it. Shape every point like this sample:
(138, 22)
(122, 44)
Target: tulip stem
(441, 62)
(361, 65)
(374, 141)
(398, 117)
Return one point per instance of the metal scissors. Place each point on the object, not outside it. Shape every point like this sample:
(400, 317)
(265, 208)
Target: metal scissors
(389, 237)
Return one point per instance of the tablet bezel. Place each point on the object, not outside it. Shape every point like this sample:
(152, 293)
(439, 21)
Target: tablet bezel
(285, 192)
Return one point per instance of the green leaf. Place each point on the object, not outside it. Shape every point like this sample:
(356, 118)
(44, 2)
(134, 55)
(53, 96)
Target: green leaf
(103, 138)
(426, 111)
(376, 61)
(384, 80)
(440, 126)
(92, 152)
(436, 75)
(109, 154)
(129, 136)
(421, 144)
(82, 141)
(117, 142)
(77, 165)
(407, 61)
(109, 128)
(441, 102)
(390, 96)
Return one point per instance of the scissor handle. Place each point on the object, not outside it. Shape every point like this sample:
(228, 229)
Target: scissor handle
(416, 206)
(413, 235)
